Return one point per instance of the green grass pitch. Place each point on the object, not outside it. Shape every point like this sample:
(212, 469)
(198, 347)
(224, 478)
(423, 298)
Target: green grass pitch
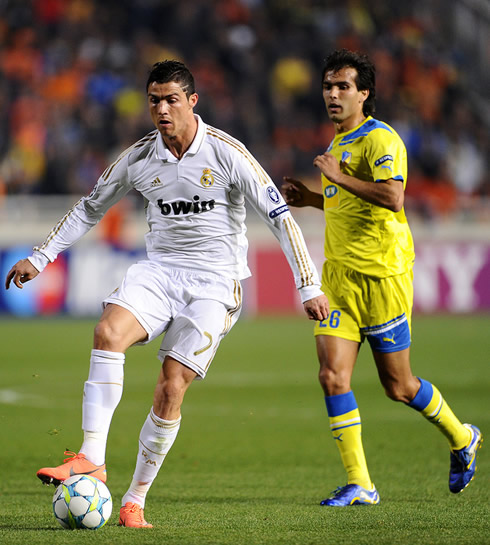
(254, 455)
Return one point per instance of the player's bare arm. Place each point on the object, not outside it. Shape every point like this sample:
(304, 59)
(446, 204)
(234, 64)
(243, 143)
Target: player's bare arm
(387, 194)
(295, 193)
(20, 273)
(317, 308)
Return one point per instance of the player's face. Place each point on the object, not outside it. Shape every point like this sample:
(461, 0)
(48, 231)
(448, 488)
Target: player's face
(170, 109)
(342, 98)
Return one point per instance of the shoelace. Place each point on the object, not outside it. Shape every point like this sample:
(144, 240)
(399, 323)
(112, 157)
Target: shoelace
(337, 491)
(463, 456)
(71, 456)
(137, 510)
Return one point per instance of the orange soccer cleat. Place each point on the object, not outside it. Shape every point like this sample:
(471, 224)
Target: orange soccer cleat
(132, 515)
(75, 464)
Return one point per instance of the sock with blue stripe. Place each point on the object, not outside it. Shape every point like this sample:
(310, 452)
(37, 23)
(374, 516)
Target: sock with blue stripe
(345, 424)
(430, 403)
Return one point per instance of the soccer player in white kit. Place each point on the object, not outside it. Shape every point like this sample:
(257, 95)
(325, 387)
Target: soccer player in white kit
(195, 180)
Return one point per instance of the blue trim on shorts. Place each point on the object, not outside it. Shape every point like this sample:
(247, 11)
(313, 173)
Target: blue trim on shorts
(340, 404)
(373, 329)
(391, 336)
(423, 397)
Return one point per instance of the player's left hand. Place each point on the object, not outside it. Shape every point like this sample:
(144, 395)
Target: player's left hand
(317, 308)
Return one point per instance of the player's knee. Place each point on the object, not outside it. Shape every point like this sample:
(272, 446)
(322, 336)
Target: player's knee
(105, 336)
(333, 381)
(172, 392)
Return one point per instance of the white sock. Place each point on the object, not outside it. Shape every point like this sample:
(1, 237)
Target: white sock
(156, 438)
(101, 395)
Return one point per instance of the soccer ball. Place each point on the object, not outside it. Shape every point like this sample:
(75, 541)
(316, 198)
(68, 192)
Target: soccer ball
(82, 501)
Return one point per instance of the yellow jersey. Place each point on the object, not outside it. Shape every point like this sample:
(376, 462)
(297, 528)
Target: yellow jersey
(359, 235)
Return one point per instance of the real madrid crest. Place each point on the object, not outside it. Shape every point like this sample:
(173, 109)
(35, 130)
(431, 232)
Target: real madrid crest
(207, 179)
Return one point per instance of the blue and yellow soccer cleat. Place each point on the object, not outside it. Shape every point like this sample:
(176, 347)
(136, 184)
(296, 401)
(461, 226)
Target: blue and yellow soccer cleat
(463, 462)
(352, 494)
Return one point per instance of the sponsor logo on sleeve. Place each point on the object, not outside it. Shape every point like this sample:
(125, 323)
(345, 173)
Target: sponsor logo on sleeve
(273, 195)
(331, 191)
(383, 159)
(278, 211)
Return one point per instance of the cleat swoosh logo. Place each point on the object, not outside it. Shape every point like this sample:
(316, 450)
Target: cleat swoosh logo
(73, 473)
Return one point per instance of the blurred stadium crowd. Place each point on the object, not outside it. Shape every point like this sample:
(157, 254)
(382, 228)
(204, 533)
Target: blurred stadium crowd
(72, 76)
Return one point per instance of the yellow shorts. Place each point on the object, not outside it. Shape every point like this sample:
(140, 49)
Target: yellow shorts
(361, 306)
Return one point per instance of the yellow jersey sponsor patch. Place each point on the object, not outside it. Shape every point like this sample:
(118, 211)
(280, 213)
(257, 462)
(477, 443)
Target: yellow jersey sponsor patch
(331, 194)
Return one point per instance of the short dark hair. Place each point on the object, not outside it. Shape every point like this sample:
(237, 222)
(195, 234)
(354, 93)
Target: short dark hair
(171, 70)
(366, 73)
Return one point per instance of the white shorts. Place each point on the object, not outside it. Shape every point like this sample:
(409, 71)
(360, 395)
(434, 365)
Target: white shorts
(194, 309)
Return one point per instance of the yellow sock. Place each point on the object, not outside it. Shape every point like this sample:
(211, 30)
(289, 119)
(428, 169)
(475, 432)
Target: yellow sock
(346, 430)
(430, 403)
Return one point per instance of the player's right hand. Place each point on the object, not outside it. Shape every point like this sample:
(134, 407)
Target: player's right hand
(20, 273)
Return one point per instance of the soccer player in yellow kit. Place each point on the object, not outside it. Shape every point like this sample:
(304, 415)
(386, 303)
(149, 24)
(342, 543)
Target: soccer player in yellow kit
(367, 276)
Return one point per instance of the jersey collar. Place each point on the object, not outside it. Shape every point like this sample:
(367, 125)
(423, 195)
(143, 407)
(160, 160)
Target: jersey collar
(163, 153)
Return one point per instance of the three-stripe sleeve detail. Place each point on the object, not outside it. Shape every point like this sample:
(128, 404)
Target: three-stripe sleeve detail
(299, 252)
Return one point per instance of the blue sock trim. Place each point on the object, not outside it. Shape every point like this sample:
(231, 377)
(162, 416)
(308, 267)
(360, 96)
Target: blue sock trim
(340, 404)
(423, 397)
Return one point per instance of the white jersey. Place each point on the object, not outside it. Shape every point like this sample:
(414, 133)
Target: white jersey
(195, 207)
